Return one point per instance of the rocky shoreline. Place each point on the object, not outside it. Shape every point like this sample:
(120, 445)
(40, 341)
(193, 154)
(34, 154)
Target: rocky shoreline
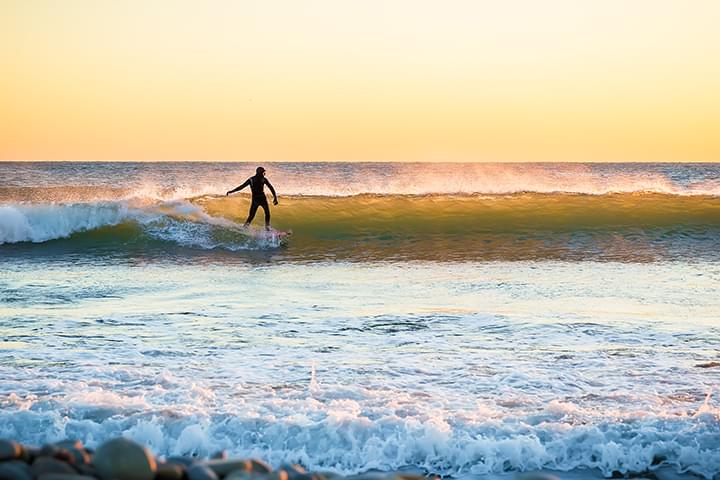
(123, 459)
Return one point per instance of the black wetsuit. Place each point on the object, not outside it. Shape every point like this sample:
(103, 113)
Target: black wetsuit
(257, 187)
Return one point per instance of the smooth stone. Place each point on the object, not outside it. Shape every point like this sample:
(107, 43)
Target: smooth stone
(43, 465)
(55, 451)
(259, 466)
(224, 467)
(86, 469)
(373, 475)
(180, 461)
(295, 472)
(244, 475)
(169, 471)
(123, 459)
(29, 453)
(9, 450)
(327, 475)
(70, 444)
(64, 476)
(536, 476)
(80, 456)
(15, 471)
(293, 466)
(409, 476)
(221, 455)
(201, 472)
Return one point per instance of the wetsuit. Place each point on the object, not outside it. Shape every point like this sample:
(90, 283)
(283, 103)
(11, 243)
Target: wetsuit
(257, 187)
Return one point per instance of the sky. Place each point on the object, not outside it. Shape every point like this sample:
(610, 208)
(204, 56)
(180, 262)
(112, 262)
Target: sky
(391, 80)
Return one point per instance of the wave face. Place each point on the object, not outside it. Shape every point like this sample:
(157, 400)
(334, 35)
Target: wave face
(114, 224)
(629, 226)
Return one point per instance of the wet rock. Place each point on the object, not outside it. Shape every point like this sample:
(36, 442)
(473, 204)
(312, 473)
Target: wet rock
(29, 453)
(70, 444)
(85, 469)
(169, 471)
(57, 452)
(63, 476)
(224, 467)
(243, 475)
(123, 459)
(294, 472)
(180, 461)
(15, 471)
(327, 475)
(201, 472)
(536, 476)
(408, 476)
(45, 465)
(374, 475)
(708, 365)
(81, 456)
(221, 455)
(239, 475)
(9, 450)
(258, 466)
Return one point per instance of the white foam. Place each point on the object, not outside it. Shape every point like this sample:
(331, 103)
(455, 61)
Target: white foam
(349, 436)
(40, 223)
(180, 222)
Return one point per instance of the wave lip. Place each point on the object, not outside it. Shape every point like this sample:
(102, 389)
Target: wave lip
(40, 223)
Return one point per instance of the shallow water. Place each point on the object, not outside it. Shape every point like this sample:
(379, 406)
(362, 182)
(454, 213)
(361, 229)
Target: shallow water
(345, 350)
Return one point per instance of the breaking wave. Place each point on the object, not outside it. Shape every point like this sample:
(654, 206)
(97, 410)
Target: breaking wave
(350, 430)
(633, 226)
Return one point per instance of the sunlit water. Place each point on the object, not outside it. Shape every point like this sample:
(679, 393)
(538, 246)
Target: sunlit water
(578, 345)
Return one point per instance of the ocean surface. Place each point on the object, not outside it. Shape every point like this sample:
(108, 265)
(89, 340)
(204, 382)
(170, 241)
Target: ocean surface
(470, 320)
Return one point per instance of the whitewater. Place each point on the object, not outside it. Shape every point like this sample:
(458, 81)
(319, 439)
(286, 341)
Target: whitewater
(470, 320)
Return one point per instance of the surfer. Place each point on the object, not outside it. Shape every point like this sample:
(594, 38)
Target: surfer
(257, 187)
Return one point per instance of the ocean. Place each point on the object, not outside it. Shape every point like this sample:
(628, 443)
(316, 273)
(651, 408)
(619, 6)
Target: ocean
(468, 320)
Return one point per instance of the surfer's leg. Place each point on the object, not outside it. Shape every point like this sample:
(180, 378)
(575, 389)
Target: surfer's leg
(266, 207)
(251, 213)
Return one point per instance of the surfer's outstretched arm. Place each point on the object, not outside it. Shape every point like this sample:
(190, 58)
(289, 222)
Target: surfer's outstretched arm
(267, 182)
(238, 188)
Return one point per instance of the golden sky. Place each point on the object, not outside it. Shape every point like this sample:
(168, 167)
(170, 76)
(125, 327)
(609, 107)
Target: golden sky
(451, 80)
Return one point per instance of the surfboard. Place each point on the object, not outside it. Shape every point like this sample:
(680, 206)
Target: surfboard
(272, 236)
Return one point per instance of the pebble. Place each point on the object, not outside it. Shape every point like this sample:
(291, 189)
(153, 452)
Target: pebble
(169, 471)
(295, 472)
(70, 444)
(64, 476)
(201, 472)
(221, 455)
(29, 454)
(180, 461)
(15, 471)
(536, 476)
(224, 467)
(9, 450)
(43, 465)
(242, 475)
(123, 459)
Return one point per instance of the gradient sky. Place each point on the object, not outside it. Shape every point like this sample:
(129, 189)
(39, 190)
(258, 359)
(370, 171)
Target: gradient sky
(566, 80)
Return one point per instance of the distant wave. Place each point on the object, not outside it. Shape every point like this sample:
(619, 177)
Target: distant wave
(178, 182)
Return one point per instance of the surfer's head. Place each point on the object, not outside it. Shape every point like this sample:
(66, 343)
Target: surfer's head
(259, 171)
